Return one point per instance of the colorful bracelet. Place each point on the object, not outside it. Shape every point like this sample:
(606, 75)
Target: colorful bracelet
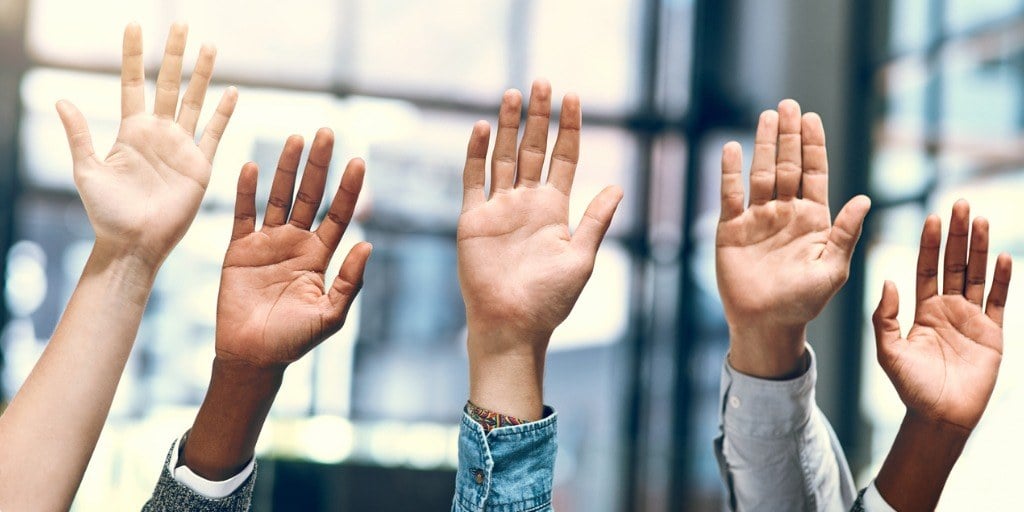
(491, 420)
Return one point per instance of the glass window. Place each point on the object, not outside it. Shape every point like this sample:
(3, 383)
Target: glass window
(598, 58)
(433, 62)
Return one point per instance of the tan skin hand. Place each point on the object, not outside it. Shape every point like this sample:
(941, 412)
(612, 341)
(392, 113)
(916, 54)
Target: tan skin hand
(946, 367)
(144, 194)
(519, 267)
(273, 307)
(780, 259)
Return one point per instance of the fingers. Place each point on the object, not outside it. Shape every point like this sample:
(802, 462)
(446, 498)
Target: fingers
(1000, 285)
(168, 80)
(314, 179)
(473, 174)
(503, 160)
(214, 130)
(887, 327)
(814, 181)
(732, 181)
(192, 102)
(348, 283)
(596, 219)
(762, 169)
(788, 164)
(566, 154)
(955, 259)
(133, 79)
(77, 130)
(280, 201)
(534, 146)
(842, 239)
(928, 259)
(245, 202)
(343, 205)
(974, 289)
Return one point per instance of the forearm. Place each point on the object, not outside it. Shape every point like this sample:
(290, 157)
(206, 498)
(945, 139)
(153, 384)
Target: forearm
(224, 434)
(509, 382)
(48, 433)
(921, 458)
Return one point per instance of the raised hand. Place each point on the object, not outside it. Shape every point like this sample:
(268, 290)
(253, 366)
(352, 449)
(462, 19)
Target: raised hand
(272, 307)
(520, 269)
(140, 200)
(142, 197)
(946, 367)
(780, 259)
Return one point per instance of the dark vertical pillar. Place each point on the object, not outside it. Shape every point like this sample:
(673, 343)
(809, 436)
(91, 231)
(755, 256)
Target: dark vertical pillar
(13, 64)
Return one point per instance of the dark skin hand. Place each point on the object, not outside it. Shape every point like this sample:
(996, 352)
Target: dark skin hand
(273, 307)
(946, 367)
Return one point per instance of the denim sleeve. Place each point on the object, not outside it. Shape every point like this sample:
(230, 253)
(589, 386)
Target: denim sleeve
(509, 469)
(776, 450)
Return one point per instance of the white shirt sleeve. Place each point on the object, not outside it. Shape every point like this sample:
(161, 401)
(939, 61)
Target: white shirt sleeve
(874, 502)
(207, 488)
(775, 449)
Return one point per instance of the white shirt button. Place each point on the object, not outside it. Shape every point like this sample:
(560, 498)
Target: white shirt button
(734, 401)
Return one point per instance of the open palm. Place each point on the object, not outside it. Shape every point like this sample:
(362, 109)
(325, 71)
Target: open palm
(946, 367)
(519, 267)
(780, 260)
(272, 307)
(144, 194)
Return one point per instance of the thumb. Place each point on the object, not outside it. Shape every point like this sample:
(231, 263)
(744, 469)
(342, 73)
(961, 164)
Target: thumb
(77, 131)
(348, 283)
(596, 219)
(846, 230)
(887, 327)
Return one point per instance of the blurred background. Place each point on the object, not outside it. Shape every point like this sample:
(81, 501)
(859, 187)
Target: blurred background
(923, 102)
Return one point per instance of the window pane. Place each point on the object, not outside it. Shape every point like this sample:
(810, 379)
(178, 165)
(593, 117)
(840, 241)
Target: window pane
(598, 59)
(446, 48)
(964, 14)
(908, 24)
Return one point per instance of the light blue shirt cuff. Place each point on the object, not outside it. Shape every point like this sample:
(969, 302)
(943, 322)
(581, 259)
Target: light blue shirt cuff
(509, 469)
(767, 408)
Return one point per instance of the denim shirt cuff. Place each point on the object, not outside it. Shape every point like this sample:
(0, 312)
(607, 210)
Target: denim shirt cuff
(509, 469)
(766, 408)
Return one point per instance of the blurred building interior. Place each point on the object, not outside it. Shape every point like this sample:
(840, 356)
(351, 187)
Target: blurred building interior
(923, 103)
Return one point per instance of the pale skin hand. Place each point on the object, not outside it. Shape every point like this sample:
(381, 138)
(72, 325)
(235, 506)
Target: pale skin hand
(140, 201)
(143, 195)
(780, 259)
(273, 307)
(520, 269)
(946, 367)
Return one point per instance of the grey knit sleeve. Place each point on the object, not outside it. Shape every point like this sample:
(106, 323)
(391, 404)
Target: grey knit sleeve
(172, 495)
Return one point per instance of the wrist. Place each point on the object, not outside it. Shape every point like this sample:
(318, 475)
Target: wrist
(129, 253)
(776, 352)
(506, 372)
(920, 461)
(127, 274)
(223, 437)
